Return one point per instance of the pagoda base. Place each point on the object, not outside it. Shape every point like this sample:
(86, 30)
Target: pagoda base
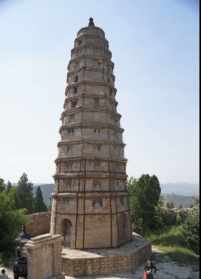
(92, 262)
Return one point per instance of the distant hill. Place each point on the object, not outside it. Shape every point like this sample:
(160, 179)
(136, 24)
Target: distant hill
(184, 189)
(179, 193)
(179, 200)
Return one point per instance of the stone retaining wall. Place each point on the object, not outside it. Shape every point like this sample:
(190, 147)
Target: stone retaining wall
(108, 264)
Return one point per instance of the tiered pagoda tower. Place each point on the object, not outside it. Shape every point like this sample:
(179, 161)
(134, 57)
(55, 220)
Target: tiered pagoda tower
(90, 203)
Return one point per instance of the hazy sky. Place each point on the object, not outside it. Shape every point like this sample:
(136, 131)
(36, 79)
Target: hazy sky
(155, 51)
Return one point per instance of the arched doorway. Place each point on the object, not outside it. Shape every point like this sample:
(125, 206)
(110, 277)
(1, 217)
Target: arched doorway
(66, 231)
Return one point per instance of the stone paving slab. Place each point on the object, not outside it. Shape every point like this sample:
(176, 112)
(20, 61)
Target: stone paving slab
(123, 250)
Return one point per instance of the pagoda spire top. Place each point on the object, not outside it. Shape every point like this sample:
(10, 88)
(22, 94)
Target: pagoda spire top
(91, 22)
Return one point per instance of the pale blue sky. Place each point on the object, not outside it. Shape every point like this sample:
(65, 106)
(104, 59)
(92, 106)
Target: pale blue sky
(155, 51)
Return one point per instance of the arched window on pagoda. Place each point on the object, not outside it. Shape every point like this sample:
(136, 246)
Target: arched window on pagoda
(97, 203)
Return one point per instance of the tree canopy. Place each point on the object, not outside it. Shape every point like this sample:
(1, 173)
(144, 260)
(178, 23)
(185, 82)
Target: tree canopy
(191, 228)
(144, 198)
(39, 205)
(11, 220)
(24, 194)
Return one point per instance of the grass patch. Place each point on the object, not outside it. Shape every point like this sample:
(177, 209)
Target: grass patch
(178, 254)
(171, 236)
(172, 245)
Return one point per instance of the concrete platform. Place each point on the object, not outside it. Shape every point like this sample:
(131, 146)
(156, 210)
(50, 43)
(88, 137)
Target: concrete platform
(106, 261)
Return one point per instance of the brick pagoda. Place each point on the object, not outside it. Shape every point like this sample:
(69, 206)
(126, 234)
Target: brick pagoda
(90, 230)
(90, 203)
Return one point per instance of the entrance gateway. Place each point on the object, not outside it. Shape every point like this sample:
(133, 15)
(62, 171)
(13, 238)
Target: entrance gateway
(90, 208)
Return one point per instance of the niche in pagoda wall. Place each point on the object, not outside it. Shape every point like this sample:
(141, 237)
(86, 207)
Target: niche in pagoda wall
(122, 202)
(115, 136)
(117, 184)
(93, 76)
(70, 166)
(70, 118)
(74, 66)
(72, 78)
(117, 151)
(66, 205)
(78, 43)
(74, 103)
(89, 102)
(97, 203)
(100, 185)
(89, 165)
(95, 116)
(69, 150)
(97, 183)
(66, 166)
(68, 184)
(91, 40)
(97, 165)
(67, 134)
(117, 167)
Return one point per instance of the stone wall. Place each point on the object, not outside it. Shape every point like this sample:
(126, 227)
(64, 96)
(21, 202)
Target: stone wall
(99, 262)
(38, 223)
(44, 257)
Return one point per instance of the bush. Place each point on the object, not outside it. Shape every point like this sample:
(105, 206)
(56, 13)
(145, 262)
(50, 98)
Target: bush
(11, 220)
(191, 229)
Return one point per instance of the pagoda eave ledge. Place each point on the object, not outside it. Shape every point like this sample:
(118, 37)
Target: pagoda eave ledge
(91, 125)
(90, 95)
(99, 109)
(110, 63)
(91, 158)
(85, 68)
(94, 109)
(90, 141)
(88, 69)
(89, 194)
(89, 175)
(91, 82)
(86, 109)
(90, 45)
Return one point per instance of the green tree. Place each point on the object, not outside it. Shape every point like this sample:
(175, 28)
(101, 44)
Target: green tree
(11, 220)
(39, 205)
(2, 185)
(24, 194)
(8, 186)
(144, 202)
(191, 229)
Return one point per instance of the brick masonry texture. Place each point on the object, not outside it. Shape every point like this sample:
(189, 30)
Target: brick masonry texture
(92, 262)
(38, 223)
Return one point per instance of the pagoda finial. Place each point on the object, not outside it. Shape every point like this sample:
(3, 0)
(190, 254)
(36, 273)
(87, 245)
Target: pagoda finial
(91, 22)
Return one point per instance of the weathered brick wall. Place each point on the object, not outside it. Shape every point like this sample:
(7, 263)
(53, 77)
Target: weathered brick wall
(38, 223)
(121, 262)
